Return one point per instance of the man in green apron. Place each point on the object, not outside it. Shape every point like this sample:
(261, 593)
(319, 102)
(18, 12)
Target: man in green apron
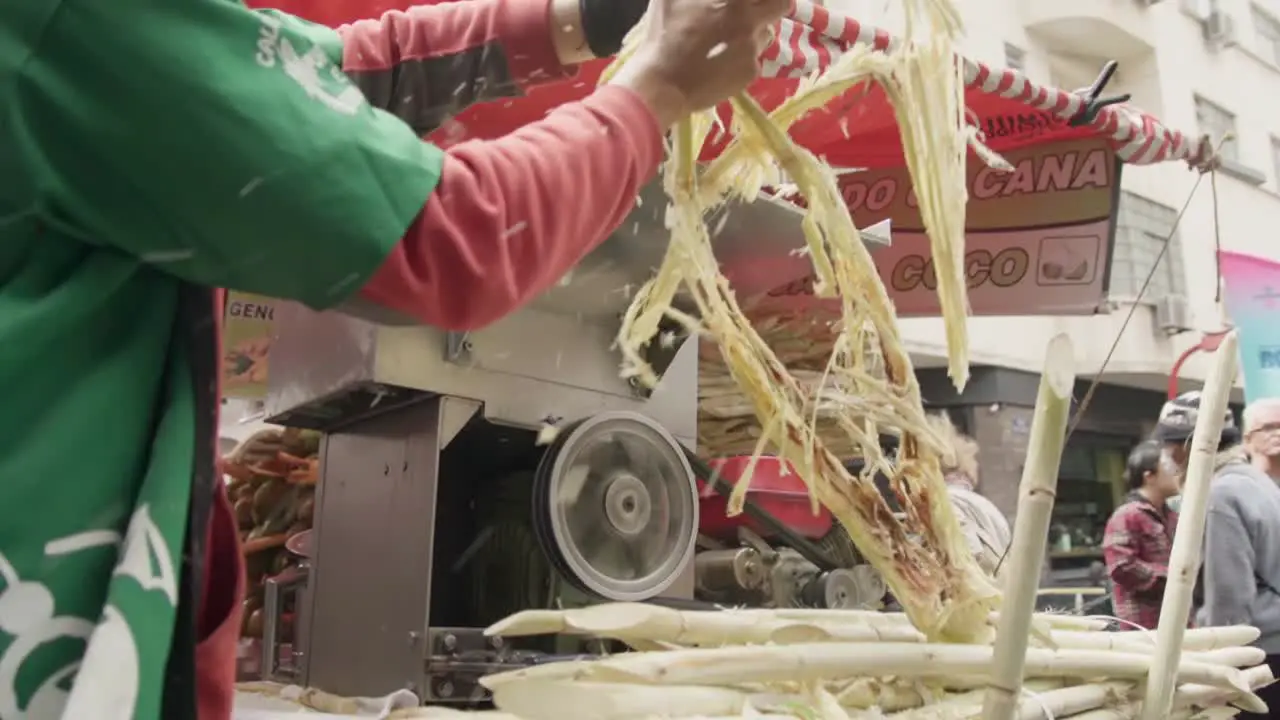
(154, 150)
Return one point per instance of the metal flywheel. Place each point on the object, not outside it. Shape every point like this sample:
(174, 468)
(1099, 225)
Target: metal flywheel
(615, 506)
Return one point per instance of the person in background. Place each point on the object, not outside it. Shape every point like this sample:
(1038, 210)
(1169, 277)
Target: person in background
(1240, 570)
(1262, 436)
(985, 528)
(1241, 566)
(155, 151)
(1139, 537)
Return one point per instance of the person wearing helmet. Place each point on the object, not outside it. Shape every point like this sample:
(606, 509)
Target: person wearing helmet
(1241, 568)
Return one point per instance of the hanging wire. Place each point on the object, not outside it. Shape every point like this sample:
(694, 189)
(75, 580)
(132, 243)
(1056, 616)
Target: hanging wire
(1133, 308)
(1155, 266)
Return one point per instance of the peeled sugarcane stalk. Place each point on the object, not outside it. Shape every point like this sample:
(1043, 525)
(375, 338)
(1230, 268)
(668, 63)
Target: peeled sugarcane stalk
(547, 693)
(1184, 561)
(903, 696)
(1058, 621)
(637, 621)
(1196, 701)
(1197, 639)
(1048, 620)
(436, 712)
(645, 626)
(443, 713)
(1031, 529)
(1201, 695)
(1067, 701)
(614, 701)
(764, 680)
(960, 705)
(957, 705)
(837, 680)
(815, 661)
(1237, 657)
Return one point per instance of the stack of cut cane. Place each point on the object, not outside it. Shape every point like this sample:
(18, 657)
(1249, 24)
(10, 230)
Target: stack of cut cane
(834, 664)
(803, 342)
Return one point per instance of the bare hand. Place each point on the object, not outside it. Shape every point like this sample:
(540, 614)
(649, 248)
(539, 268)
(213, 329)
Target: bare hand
(697, 53)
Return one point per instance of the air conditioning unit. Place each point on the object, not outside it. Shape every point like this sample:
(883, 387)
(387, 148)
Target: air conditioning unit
(1220, 30)
(1173, 314)
(1147, 3)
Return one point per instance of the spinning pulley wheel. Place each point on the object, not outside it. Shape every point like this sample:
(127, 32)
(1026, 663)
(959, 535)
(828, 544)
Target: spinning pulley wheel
(852, 588)
(615, 506)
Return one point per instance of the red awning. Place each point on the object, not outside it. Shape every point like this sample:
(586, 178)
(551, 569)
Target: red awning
(856, 130)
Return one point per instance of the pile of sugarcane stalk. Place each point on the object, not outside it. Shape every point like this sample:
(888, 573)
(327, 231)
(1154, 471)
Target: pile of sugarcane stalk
(803, 342)
(837, 664)
(727, 426)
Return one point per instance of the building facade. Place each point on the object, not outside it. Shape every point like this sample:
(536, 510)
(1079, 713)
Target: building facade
(1201, 66)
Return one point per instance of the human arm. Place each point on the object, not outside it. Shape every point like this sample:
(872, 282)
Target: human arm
(1230, 578)
(429, 62)
(504, 224)
(1122, 543)
(481, 50)
(245, 158)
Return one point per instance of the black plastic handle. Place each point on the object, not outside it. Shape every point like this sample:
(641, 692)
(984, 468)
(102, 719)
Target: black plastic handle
(1092, 104)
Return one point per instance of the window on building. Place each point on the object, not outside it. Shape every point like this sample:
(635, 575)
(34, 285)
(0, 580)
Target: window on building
(1015, 58)
(1267, 29)
(1141, 229)
(1216, 122)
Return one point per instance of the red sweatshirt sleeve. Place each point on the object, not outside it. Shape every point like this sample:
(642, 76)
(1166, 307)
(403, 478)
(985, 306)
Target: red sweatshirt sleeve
(511, 216)
(432, 61)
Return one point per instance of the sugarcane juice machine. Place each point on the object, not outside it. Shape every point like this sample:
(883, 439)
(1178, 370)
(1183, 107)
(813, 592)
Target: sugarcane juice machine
(441, 509)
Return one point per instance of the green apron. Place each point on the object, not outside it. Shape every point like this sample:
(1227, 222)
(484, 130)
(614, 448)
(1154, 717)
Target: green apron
(152, 149)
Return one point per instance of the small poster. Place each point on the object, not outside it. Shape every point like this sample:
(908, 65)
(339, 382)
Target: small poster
(1252, 297)
(246, 344)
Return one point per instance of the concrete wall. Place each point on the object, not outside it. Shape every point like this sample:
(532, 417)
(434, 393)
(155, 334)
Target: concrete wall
(1002, 434)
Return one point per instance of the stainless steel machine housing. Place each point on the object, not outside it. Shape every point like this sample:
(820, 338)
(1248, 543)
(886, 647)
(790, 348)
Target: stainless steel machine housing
(392, 399)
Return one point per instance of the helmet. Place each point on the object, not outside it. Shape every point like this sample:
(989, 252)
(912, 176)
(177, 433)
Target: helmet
(1178, 420)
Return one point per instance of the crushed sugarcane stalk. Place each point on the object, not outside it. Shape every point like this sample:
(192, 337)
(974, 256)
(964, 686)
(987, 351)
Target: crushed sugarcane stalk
(964, 647)
(862, 665)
